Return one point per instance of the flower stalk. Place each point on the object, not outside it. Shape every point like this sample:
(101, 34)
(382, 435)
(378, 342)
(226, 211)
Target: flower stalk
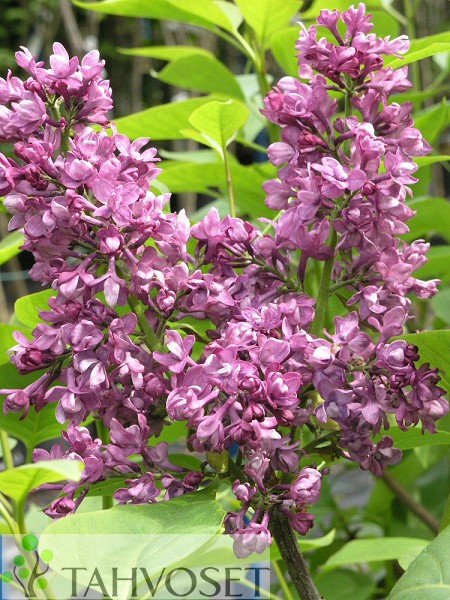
(7, 455)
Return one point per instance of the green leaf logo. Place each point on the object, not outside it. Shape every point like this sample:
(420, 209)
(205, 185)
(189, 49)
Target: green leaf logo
(28, 569)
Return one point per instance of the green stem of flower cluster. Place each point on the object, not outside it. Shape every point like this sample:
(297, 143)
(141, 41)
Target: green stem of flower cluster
(324, 290)
(226, 162)
(103, 434)
(8, 459)
(151, 339)
(410, 13)
(325, 281)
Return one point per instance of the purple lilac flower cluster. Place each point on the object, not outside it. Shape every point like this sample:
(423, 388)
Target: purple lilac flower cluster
(120, 342)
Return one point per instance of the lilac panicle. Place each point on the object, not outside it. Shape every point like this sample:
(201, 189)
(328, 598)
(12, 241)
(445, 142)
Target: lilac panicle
(119, 340)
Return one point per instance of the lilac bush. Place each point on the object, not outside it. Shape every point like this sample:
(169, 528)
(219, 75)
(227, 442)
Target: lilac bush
(270, 379)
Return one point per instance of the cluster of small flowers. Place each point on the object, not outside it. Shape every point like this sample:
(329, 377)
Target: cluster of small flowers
(82, 198)
(128, 288)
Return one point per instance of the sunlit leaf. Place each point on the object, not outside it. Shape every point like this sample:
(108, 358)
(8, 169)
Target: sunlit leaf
(422, 161)
(10, 246)
(163, 122)
(18, 482)
(426, 52)
(202, 73)
(266, 17)
(166, 52)
(27, 307)
(205, 13)
(218, 122)
(282, 45)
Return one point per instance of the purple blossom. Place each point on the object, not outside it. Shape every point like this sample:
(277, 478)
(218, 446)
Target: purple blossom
(139, 491)
(122, 340)
(179, 350)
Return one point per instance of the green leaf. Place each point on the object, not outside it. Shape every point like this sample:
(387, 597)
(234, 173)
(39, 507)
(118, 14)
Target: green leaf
(306, 543)
(428, 577)
(201, 73)
(385, 24)
(319, 542)
(205, 13)
(445, 520)
(107, 487)
(222, 206)
(173, 433)
(377, 549)
(434, 347)
(17, 483)
(437, 265)
(441, 305)
(218, 122)
(432, 216)
(192, 177)
(163, 122)
(197, 512)
(380, 503)
(7, 340)
(27, 308)
(418, 96)
(266, 17)
(423, 161)
(166, 52)
(314, 8)
(188, 461)
(10, 246)
(37, 427)
(429, 40)
(153, 535)
(232, 11)
(247, 183)
(282, 45)
(414, 438)
(426, 52)
(342, 584)
(195, 156)
(12, 443)
(432, 120)
(256, 122)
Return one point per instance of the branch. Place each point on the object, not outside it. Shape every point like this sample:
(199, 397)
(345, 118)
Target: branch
(296, 565)
(71, 27)
(415, 507)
